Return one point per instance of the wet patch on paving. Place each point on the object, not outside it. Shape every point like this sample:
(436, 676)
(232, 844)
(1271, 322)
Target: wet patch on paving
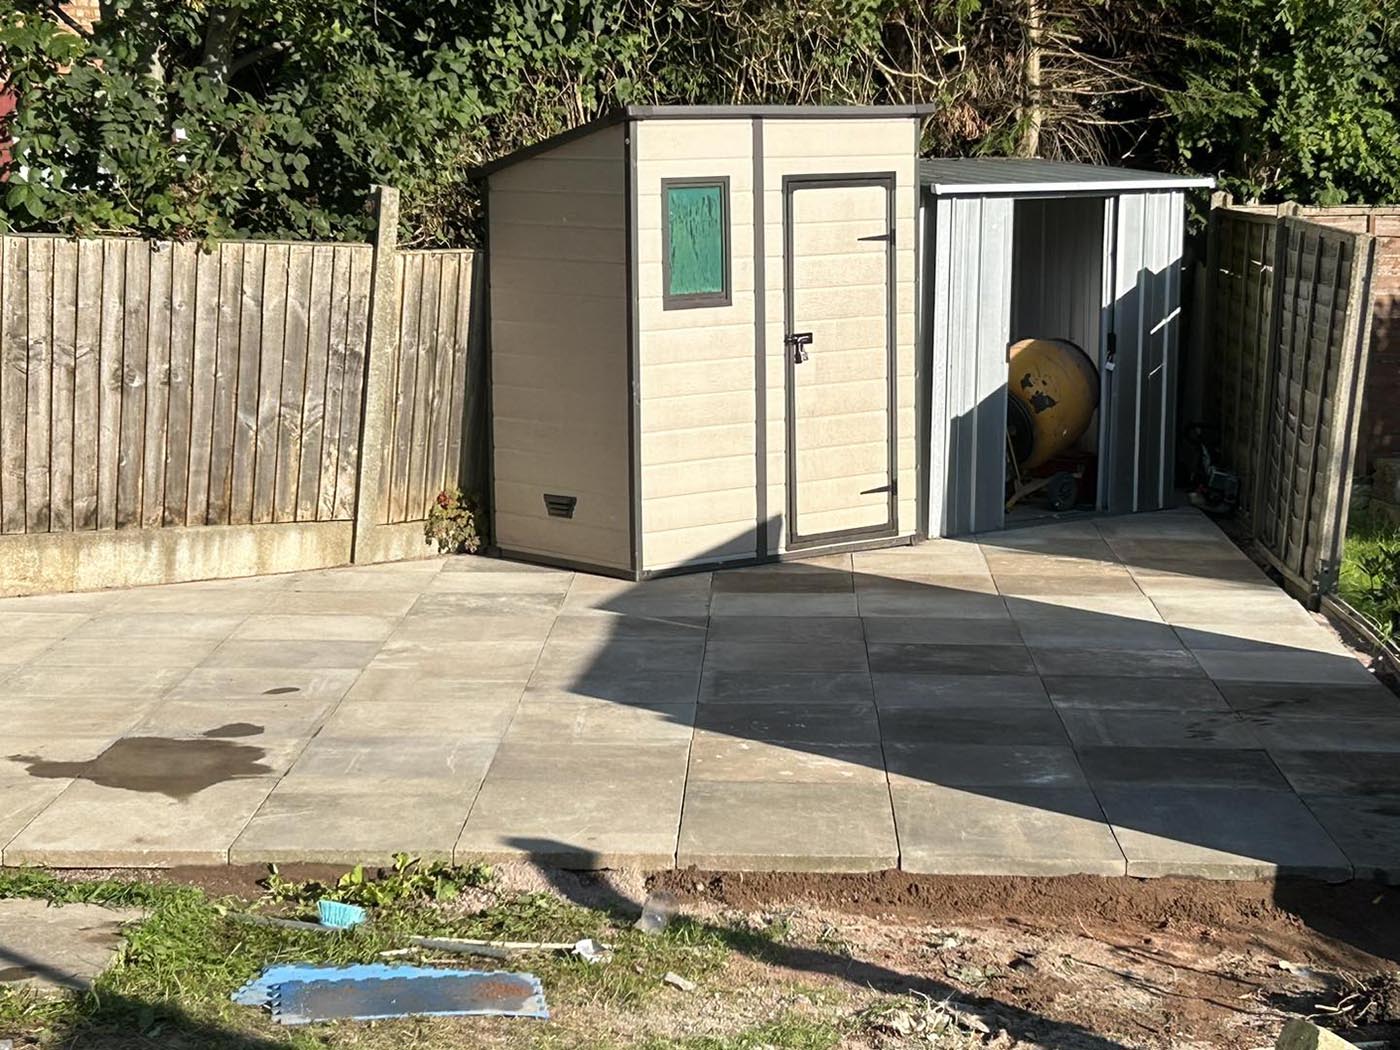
(175, 767)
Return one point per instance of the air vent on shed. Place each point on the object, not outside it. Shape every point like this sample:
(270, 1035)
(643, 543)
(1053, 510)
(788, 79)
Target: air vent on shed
(560, 506)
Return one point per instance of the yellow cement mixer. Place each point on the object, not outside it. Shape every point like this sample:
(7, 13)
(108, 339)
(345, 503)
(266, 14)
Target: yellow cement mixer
(1052, 394)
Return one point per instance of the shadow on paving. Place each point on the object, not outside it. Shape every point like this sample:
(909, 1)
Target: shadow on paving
(1049, 722)
(1021, 1025)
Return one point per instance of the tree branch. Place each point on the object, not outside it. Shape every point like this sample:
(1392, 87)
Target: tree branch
(257, 55)
(56, 9)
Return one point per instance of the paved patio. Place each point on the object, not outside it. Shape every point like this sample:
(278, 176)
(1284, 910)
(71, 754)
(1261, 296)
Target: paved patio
(1127, 696)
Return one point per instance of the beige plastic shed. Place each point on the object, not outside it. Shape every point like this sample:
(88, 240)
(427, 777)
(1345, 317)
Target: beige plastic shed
(703, 337)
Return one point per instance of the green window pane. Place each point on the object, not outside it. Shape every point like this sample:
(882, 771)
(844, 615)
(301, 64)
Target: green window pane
(695, 226)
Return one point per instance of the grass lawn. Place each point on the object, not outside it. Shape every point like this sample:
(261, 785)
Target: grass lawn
(171, 984)
(1370, 574)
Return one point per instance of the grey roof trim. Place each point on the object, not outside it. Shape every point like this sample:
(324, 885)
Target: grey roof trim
(976, 176)
(617, 116)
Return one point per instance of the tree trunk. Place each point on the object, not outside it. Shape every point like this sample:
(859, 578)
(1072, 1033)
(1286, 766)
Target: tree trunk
(1032, 114)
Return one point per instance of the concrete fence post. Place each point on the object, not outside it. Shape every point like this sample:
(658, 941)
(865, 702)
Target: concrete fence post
(379, 354)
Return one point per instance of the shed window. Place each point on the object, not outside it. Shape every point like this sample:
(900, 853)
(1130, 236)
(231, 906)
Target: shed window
(695, 255)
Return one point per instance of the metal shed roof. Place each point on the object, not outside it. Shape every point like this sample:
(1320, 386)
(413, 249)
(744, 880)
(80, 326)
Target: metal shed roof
(971, 176)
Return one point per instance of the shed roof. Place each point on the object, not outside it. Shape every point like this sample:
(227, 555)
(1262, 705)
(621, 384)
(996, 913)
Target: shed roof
(972, 176)
(616, 116)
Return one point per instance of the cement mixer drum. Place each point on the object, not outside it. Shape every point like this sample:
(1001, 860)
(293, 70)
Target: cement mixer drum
(1052, 394)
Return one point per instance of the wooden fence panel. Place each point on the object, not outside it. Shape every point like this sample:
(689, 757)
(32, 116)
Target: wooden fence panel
(1291, 341)
(429, 376)
(146, 385)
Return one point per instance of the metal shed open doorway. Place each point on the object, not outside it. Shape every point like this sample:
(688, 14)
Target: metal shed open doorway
(1025, 248)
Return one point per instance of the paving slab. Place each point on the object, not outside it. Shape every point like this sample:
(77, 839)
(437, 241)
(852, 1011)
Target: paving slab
(416, 763)
(944, 602)
(786, 656)
(58, 718)
(729, 826)
(762, 687)
(500, 583)
(933, 630)
(1091, 727)
(1366, 829)
(1261, 637)
(22, 798)
(111, 681)
(719, 757)
(133, 653)
(560, 661)
(909, 658)
(1293, 733)
(392, 604)
(932, 557)
(585, 805)
(1116, 663)
(1211, 767)
(1130, 693)
(40, 624)
(973, 725)
(258, 683)
(1098, 632)
(498, 661)
(1002, 830)
(1083, 608)
(593, 625)
(379, 683)
(19, 650)
(931, 584)
(469, 603)
(68, 947)
(292, 653)
(1262, 607)
(851, 722)
(93, 826)
(1358, 773)
(480, 719)
(328, 627)
(810, 630)
(984, 765)
(619, 687)
(783, 605)
(159, 625)
(1311, 700)
(958, 690)
(1050, 582)
(1290, 666)
(369, 825)
(573, 719)
(1220, 833)
(788, 579)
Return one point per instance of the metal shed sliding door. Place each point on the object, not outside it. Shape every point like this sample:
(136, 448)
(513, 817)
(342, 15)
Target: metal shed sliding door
(970, 313)
(1140, 388)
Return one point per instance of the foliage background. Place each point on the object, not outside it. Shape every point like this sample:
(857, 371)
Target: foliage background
(216, 118)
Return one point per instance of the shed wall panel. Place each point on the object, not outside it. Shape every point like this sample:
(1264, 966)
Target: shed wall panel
(699, 496)
(559, 384)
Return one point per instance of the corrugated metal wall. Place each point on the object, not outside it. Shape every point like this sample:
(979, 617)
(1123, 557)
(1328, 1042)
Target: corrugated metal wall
(970, 326)
(1139, 454)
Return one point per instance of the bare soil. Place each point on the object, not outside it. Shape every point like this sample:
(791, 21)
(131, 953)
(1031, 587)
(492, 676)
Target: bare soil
(1073, 963)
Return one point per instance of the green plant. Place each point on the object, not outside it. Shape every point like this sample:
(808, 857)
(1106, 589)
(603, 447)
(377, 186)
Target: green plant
(408, 880)
(452, 523)
(1370, 575)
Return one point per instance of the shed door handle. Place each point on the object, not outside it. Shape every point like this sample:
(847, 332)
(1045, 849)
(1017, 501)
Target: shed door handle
(798, 342)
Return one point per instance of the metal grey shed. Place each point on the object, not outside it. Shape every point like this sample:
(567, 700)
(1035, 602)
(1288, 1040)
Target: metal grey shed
(1015, 248)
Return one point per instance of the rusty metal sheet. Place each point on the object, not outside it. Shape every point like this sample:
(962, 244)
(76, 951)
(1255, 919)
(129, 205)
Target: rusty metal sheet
(408, 991)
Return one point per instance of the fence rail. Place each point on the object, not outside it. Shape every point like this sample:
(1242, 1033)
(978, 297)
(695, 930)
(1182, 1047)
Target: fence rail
(156, 386)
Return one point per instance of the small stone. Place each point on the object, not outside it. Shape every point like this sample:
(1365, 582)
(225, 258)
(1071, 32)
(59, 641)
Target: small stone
(1304, 1035)
(675, 980)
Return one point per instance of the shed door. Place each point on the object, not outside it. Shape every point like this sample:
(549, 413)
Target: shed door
(839, 268)
(1137, 455)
